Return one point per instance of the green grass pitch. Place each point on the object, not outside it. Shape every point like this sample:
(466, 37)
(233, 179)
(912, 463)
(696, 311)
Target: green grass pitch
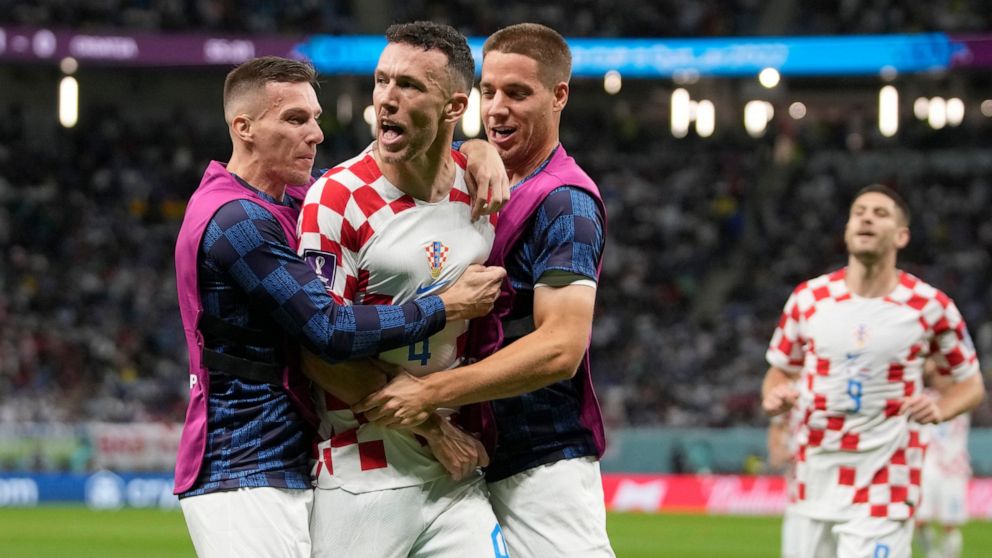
(50, 532)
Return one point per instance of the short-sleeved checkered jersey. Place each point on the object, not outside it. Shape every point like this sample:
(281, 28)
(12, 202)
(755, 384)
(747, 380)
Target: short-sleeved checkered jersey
(947, 449)
(371, 242)
(858, 359)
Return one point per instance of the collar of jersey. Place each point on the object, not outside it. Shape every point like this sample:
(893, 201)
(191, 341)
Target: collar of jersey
(537, 170)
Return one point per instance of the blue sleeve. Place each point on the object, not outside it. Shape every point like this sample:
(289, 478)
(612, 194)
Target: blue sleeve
(567, 238)
(245, 241)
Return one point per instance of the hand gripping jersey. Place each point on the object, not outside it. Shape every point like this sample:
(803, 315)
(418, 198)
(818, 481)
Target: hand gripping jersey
(858, 359)
(372, 243)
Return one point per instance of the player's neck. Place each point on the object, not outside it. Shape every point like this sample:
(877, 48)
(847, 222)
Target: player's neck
(532, 160)
(251, 171)
(428, 176)
(871, 279)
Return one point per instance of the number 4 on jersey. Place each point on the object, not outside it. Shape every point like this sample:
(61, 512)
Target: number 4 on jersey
(425, 352)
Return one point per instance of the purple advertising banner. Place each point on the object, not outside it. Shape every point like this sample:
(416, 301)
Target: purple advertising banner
(978, 50)
(38, 44)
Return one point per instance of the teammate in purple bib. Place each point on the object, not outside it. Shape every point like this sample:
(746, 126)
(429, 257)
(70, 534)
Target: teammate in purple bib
(247, 303)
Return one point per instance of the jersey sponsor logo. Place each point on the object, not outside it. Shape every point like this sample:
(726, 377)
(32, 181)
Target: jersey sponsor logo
(424, 289)
(437, 255)
(324, 264)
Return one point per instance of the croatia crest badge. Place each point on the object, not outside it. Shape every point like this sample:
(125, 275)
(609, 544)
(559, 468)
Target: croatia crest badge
(437, 254)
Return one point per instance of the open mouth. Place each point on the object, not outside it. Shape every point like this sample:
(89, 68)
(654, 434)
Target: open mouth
(389, 131)
(500, 133)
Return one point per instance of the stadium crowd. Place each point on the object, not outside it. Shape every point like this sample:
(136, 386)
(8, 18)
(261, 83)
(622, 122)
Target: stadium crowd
(580, 18)
(705, 239)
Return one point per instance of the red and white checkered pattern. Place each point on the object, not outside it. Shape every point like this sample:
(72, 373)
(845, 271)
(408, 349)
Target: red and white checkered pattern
(947, 455)
(858, 359)
(379, 235)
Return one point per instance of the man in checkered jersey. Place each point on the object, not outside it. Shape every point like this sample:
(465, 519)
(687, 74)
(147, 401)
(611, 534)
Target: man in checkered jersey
(857, 339)
(388, 226)
(544, 480)
(248, 301)
(946, 472)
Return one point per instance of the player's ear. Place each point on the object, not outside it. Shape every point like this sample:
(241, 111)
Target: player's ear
(455, 107)
(241, 127)
(902, 237)
(561, 96)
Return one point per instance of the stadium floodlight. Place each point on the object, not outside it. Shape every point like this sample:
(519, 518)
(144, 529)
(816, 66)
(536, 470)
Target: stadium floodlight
(921, 108)
(797, 110)
(987, 107)
(472, 119)
(369, 115)
(937, 115)
(769, 78)
(345, 108)
(888, 111)
(612, 82)
(955, 111)
(68, 65)
(68, 102)
(757, 114)
(680, 113)
(705, 118)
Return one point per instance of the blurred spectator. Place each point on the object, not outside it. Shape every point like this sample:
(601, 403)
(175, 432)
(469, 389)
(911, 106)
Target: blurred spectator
(578, 18)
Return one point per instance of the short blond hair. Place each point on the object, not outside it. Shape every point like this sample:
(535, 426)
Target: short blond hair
(533, 40)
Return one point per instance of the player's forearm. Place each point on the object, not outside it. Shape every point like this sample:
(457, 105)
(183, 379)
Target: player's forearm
(961, 397)
(773, 378)
(340, 338)
(534, 361)
(349, 382)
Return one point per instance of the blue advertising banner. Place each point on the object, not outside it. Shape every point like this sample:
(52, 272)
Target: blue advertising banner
(738, 56)
(100, 490)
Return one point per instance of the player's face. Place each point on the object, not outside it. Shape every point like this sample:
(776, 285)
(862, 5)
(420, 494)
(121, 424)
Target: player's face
(518, 109)
(410, 95)
(875, 227)
(286, 132)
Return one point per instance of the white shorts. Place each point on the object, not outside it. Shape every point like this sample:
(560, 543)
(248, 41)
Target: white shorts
(790, 533)
(553, 510)
(945, 500)
(250, 522)
(442, 518)
(868, 537)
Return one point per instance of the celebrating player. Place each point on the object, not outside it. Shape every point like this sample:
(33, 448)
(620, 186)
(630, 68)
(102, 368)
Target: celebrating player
(544, 477)
(857, 340)
(390, 225)
(246, 300)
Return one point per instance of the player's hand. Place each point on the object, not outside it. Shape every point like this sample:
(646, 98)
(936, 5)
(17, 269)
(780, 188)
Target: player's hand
(921, 408)
(459, 452)
(403, 403)
(474, 293)
(780, 399)
(486, 178)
